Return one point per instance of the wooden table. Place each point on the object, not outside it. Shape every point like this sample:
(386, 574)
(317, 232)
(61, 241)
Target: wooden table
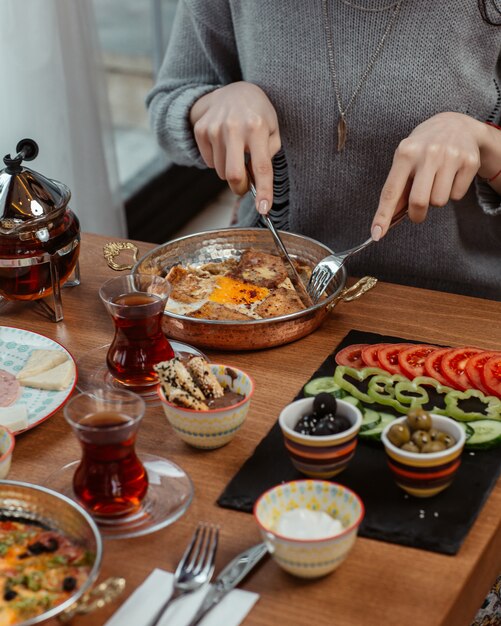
(380, 583)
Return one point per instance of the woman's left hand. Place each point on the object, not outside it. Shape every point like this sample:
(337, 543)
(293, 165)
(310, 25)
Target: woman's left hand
(434, 164)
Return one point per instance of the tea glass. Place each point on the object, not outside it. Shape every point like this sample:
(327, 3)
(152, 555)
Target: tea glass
(136, 304)
(110, 479)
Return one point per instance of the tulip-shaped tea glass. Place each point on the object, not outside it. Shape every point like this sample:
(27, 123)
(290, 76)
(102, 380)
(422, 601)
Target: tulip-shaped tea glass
(110, 479)
(136, 304)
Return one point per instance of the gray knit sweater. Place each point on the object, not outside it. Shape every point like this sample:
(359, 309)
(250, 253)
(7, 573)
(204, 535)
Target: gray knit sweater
(439, 56)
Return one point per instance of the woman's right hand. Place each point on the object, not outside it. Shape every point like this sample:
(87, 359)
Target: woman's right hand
(229, 123)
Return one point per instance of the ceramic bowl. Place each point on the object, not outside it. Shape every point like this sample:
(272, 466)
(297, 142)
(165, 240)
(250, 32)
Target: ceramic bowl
(7, 442)
(319, 457)
(309, 558)
(425, 474)
(217, 427)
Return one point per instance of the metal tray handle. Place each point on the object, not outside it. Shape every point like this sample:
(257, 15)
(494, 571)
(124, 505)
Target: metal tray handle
(96, 598)
(348, 294)
(113, 248)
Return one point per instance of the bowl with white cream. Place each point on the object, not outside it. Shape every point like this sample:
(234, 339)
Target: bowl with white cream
(309, 525)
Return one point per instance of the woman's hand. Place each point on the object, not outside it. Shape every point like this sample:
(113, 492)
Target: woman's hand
(434, 164)
(229, 123)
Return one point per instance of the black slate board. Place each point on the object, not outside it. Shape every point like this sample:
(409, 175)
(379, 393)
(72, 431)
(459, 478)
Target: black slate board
(439, 524)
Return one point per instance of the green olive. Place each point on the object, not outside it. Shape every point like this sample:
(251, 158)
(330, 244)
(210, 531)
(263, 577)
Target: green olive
(434, 433)
(446, 439)
(433, 446)
(410, 446)
(399, 434)
(419, 419)
(420, 438)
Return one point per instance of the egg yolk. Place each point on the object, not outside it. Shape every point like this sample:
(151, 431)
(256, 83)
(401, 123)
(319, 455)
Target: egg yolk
(231, 291)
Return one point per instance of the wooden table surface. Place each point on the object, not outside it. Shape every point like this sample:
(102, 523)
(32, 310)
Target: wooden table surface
(380, 583)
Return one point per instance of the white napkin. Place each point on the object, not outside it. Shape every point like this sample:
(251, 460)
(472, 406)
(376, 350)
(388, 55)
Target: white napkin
(144, 602)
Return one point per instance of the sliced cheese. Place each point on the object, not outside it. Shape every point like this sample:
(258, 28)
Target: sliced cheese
(55, 379)
(41, 361)
(14, 417)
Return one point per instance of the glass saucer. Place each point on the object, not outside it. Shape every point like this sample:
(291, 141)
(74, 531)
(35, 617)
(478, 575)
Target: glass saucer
(93, 372)
(170, 492)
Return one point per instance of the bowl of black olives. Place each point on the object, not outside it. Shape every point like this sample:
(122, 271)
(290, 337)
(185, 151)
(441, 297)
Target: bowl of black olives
(423, 451)
(320, 434)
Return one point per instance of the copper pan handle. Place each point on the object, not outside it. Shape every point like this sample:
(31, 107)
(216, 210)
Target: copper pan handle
(113, 248)
(96, 598)
(348, 294)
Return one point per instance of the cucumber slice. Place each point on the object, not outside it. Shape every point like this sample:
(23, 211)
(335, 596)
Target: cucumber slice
(486, 434)
(323, 384)
(370, 419)
(468, 430)
(355, 401)
(374, 434)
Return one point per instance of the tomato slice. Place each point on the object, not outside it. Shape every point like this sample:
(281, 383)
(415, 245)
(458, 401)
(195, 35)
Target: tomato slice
(475, 368)
(432, 366)
(491, 375)
(453, 366)
(388, 357)
(351, 356)
(411, 360)
(369, 354)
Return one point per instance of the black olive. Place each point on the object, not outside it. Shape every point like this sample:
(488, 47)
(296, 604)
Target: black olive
(52, 545)
(36, 548)
(24, 555)
(69, 583)
(9, 594)
(324, 403)
(343, 423)
(323, 428)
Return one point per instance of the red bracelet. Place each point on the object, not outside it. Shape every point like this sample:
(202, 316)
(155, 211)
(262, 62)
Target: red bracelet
(489, 180)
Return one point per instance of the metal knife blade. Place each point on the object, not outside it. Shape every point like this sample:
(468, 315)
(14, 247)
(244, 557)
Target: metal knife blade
(282, 250)
(231, 575)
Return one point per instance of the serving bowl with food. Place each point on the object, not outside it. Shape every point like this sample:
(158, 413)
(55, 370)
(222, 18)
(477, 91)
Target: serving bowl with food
(423, 452)
(52, 553)
(205, 403)
(320, 434)
(230, 289)
(309, 526)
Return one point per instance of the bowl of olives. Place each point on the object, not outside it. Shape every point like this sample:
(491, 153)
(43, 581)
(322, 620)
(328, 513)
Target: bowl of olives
(423, 451)
(320, 434)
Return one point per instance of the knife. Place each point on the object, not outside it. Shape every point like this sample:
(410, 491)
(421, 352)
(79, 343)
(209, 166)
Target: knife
(232, 574)
(282, 250)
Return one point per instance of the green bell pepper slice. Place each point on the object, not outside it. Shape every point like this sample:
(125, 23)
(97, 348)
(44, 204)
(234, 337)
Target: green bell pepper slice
(382, 391)
(356, 382)
(436, 393)
(471, 405)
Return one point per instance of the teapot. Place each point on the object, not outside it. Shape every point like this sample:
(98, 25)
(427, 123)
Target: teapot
(39, 234)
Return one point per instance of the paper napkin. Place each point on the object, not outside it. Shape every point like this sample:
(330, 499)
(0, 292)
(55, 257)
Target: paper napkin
(142, 605)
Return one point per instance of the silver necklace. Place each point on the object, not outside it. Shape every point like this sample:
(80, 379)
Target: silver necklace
(367, 9)
(342, 128)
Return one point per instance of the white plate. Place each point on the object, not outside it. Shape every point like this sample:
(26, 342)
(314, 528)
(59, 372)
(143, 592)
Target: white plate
(16, 346)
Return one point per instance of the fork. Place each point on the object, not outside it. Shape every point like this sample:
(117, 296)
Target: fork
(327, 268)
(195, 568)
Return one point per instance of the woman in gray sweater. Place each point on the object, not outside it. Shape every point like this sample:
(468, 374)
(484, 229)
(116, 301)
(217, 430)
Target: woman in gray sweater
(349, 109)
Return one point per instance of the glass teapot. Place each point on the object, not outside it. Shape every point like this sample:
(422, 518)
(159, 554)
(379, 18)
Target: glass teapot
(39, 234)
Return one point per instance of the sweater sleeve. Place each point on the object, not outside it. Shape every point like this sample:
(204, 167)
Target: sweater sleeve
(201, 57)
(489, 200)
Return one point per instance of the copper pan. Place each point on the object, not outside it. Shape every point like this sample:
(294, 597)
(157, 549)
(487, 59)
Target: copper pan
(218, 245)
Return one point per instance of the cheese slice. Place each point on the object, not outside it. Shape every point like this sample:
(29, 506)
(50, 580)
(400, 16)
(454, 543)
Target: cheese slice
(41, 361)
(55, 379)
(14, 417)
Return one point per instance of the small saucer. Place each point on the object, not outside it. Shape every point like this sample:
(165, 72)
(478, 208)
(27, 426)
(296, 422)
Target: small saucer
(93, 372)
(170, 492)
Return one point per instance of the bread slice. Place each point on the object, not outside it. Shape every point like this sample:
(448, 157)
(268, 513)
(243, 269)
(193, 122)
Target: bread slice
(41, 361)
(55, 379)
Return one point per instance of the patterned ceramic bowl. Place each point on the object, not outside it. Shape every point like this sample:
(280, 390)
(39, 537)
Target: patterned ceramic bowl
(7, 442)
(309, 558)
(319, 457)
(425, 475)
(217, 427)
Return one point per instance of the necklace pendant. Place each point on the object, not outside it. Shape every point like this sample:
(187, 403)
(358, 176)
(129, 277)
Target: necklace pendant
(341, 133)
